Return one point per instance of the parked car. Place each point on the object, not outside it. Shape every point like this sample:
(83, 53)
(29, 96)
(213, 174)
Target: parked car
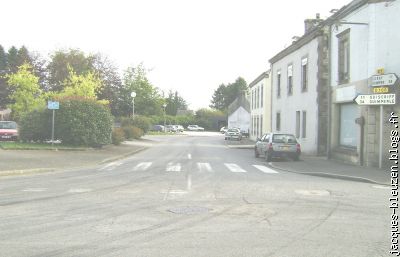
(158, 128)
(233, 133)
(280, 145)
(8, 130)
(195, 128)
(179, 128)
(170, 128)
(223, 130)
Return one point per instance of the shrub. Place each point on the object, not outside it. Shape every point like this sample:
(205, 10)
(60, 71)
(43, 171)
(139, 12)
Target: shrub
(81, 121)
(142, 122)
(36, 126)
(118, 136)
(132, 132)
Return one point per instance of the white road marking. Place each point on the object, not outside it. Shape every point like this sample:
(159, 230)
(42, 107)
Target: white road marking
(110, 166)
(142, 166)
(265, 169)
(79, 190)
(34, 189)
(189, 156)
(174, 166)
(234, 167)
(204, 166)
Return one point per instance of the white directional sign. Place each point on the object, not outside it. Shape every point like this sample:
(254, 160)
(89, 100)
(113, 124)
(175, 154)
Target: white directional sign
(378, 99)
(383, 80)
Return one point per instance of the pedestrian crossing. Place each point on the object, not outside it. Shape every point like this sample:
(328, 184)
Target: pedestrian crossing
(205, 167)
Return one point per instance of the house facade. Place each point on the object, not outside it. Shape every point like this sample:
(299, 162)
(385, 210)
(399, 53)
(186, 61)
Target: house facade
(363, 43)
(239, 113)
(260, 105)
(300, 89)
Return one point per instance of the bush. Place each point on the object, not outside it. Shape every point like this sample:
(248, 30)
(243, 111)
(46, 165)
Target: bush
(142, 122)
(118, 136)
(81, 121)
(132, 132)
(36, 126)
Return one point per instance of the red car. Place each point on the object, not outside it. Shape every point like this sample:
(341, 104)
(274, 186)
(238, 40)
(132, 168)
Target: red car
(8, 130)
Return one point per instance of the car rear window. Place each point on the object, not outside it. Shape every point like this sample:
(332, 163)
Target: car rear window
(284, 138)
(8, 125)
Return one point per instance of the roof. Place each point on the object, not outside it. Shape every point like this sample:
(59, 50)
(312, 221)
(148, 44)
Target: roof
(263, 75)
(240, 101)
(318, 30)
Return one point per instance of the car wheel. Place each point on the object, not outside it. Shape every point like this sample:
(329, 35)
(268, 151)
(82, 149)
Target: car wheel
(268, 157)
(256, 153)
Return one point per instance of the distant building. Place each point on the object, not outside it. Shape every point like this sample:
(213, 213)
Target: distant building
(300, 89)
(5, 114)
(260, 105)
(239, 113)
(184, 112)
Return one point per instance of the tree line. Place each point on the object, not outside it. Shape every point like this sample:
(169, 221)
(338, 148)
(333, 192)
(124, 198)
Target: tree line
(64, 68)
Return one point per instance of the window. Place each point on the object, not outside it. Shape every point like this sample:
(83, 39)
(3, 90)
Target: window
(262, 95)
(304, 75)
(261, 124)
(278, 121)
(344, 57)
(252, 99)
(297, 124)
(304, 123)
(258, 97)
(278, 82)
(348, 128)
(290, 79)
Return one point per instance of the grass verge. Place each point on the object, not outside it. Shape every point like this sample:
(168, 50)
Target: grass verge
(38, 146)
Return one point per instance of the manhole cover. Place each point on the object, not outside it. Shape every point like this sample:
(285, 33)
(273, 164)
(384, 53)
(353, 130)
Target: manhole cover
(189, 210)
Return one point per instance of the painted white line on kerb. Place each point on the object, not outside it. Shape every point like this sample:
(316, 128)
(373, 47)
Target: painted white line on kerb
(174, 166)
(189, 156)
(265, 169)
(142, 166)
(204, 166)
(234, 167)
(34, 190)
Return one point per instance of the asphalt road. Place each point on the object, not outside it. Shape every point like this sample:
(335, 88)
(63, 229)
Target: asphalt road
(191, 196)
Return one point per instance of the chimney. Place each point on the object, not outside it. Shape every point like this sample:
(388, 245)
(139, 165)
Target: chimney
(310, 24)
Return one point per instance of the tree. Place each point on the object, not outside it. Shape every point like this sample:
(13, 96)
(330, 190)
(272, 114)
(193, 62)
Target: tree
(4, 91)
(27, 95)
(224, 95)
(86, 85)
(12, 60)
(110, 79)
(58, 66)
(174, 103)
(148, 100)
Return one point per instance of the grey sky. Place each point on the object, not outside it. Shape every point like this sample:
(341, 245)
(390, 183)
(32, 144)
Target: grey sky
(189, 46)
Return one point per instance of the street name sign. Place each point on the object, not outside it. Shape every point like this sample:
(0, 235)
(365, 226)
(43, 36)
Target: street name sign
(383, 80)
(53, 105)
(378, 99)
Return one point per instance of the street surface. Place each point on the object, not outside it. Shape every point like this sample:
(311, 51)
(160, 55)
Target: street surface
(191, 196)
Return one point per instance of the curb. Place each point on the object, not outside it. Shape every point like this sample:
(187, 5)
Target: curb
(122, 156)
(45, 170)
(330, 175)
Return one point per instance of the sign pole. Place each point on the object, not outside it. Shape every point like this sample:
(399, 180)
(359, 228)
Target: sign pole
(52, 131)
(381, 136)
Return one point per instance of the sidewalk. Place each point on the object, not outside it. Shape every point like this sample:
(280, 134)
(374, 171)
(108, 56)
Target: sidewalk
(34, 161)
(321, 166)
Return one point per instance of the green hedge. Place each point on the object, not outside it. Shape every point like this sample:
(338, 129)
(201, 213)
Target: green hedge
(79, 121)
(82, 121)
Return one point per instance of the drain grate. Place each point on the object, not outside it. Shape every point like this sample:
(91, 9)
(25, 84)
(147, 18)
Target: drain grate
(189, 210)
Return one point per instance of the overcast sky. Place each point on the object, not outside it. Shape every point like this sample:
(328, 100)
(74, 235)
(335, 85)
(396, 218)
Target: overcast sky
(190, 46)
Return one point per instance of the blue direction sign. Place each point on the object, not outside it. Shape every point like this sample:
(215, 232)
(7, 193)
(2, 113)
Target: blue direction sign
(53, 105)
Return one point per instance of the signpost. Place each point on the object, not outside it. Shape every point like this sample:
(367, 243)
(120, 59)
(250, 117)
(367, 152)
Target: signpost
(383, 80)
(377, 99)
(53, 106)
(383, 94)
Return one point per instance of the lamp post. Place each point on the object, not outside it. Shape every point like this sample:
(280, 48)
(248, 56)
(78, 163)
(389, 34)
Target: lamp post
(133, 94)
(164, 105)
